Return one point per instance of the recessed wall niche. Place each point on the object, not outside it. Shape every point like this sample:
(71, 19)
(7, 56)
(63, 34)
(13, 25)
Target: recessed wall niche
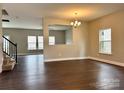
(60, 34)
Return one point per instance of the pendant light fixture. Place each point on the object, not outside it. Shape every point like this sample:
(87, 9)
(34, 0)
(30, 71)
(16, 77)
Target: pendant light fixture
(75, 23)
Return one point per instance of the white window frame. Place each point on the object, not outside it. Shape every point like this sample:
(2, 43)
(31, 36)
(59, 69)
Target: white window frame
(101, 50)
(32, 42)
(40, 42)
(52, 43)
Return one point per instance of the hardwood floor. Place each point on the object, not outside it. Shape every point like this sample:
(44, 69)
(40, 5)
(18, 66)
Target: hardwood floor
(32, 73)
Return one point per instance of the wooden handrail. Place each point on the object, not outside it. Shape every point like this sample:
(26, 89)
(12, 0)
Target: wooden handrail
(9, 41)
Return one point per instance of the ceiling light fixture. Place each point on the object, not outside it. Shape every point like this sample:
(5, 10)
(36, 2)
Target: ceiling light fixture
(75, 23)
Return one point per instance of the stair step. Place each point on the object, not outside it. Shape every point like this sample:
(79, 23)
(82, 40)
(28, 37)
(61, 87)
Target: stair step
(8, 66)
(8, 63)
(5, 56)
(6, 60)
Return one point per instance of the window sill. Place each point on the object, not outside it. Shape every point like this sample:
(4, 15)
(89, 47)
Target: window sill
(105, 53)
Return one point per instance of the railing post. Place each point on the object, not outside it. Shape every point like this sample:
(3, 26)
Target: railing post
(16, 53)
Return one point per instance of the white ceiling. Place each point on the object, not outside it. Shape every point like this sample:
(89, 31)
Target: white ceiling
(29, 16)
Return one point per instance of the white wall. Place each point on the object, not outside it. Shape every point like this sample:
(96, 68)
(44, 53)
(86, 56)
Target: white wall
(1, 53)
(77, 49)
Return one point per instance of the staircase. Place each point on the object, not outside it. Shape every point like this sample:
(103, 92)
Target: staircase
(9, 54)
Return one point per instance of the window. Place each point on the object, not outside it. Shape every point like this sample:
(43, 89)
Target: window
(105, 41)
(6, 44)
(51, 40)
(40, 42)
(36, 42)
(31, 42)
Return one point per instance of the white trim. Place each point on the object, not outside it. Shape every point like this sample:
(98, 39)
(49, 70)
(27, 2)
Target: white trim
(107, 61)
(0, 70)
(89, 57)
(1, 67)
(64, 59)
(1, 64)
(105, 53)
(21, 54)
(93, 58)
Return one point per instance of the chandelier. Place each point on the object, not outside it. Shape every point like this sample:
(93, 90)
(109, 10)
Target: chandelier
(75, 23)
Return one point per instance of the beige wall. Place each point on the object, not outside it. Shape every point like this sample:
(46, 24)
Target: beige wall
(19, 36)
(1, 53)
(75, 50)
(114, 21)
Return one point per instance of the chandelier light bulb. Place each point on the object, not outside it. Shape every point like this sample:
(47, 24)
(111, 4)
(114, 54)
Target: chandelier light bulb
(75, 23)
(79, 23)
(72, 23)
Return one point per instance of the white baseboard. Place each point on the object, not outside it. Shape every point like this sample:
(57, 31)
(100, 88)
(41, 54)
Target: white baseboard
(93, 58)
(22, 54)
(64, 59)
(89, 57)
(107, 61)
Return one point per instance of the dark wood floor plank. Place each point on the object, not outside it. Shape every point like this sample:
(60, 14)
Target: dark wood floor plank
(32, 73)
